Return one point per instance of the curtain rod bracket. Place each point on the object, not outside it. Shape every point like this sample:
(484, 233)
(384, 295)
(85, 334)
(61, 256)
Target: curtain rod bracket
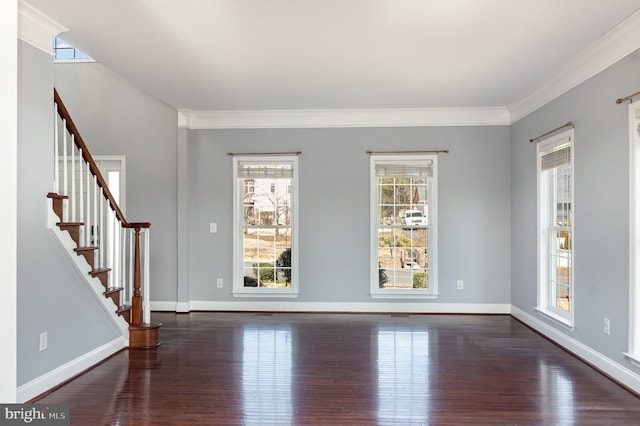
(627, 98)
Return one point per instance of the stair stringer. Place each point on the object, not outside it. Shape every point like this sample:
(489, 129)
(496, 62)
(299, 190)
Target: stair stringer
(83, 268)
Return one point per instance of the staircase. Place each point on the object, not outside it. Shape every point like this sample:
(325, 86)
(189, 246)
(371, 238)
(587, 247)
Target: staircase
(117, 251)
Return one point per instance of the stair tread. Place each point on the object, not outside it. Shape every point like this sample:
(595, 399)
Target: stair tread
(86, 248)
(54, 195)
(99, 271)
(70, 223)
(123, 308)
(111, 290)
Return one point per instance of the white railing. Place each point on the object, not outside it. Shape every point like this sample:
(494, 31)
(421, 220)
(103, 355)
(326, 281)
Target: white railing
(118, 245)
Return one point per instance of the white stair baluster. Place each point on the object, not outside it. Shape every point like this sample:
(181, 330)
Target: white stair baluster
(130, 262)
(56, 153)
(114, 250)
(83, 229)
(87, 216)
(101, 228)
(123, 269)
(94, 233)
(65, 182)
(146, 307)
(73, 179)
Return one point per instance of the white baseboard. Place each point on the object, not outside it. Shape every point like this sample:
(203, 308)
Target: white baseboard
(66, 371)
(294, 306)
(606, 365)
(165, 306)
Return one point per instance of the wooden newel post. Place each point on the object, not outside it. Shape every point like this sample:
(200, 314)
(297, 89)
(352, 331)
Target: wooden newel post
(136, 300)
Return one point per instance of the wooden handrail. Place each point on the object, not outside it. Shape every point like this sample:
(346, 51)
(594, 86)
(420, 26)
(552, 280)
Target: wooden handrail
(71, 127)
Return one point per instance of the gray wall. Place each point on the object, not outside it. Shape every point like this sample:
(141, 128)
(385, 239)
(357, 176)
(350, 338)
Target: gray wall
(52, 296)
(474, 202)
(601, 208)
(115, 118)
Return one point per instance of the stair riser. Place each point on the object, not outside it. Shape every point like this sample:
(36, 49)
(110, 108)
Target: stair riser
(126, 315)
(103, 277)
(73, 230)
(57, 206)
(115, 297)
(88, 255)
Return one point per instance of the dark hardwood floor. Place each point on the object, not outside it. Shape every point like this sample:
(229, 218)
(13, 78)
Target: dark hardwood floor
(330, 369)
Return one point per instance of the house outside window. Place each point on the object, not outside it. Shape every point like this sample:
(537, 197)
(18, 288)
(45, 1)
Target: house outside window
(404, 226)
(555, 228)
(265, 226)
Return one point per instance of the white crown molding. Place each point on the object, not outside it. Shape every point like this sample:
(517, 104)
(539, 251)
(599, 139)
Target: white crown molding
(621, 41)
(36, 28)
(291, 119)
(183, 117)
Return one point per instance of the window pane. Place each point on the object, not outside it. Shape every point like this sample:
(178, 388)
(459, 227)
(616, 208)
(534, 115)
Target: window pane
(402, 222)
(402, 258)
(64, 53)
(64, 50)
(264, 197)
(561, 269)
(267, 201)
(555, 212)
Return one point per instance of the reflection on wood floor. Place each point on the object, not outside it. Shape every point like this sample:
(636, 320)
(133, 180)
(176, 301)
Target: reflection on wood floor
(329, 369)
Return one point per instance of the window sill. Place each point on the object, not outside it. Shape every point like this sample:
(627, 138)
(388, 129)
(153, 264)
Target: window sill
(634, 359)
(400, 294)
(73, 61)
(559, 319)
(264, 293)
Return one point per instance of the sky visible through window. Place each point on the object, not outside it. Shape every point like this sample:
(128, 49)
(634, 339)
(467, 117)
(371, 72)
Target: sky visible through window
(64, 51)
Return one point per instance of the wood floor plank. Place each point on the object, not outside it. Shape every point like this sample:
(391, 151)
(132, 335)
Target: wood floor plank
(335, 369)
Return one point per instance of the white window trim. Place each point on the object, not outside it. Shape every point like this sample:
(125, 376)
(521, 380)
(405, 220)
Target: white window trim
(118, 163)
(375, 291)
(634, 235)
(239, 290)
(74, 61)
(543, 306)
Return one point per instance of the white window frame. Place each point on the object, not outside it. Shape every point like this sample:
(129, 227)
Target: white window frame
(545, 305)
(239, 290)
(634, 234)
(432, 231)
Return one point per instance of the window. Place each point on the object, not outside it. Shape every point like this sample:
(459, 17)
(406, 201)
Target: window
(65, 52)
(555, 227)
(634, 233)
(265, 224)
(404, 226)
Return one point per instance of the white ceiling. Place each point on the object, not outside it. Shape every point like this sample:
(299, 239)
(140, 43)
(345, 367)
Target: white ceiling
(238, 55)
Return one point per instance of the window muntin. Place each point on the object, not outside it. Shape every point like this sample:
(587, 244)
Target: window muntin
(555, 217)
(403, 225)
(265, 225)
